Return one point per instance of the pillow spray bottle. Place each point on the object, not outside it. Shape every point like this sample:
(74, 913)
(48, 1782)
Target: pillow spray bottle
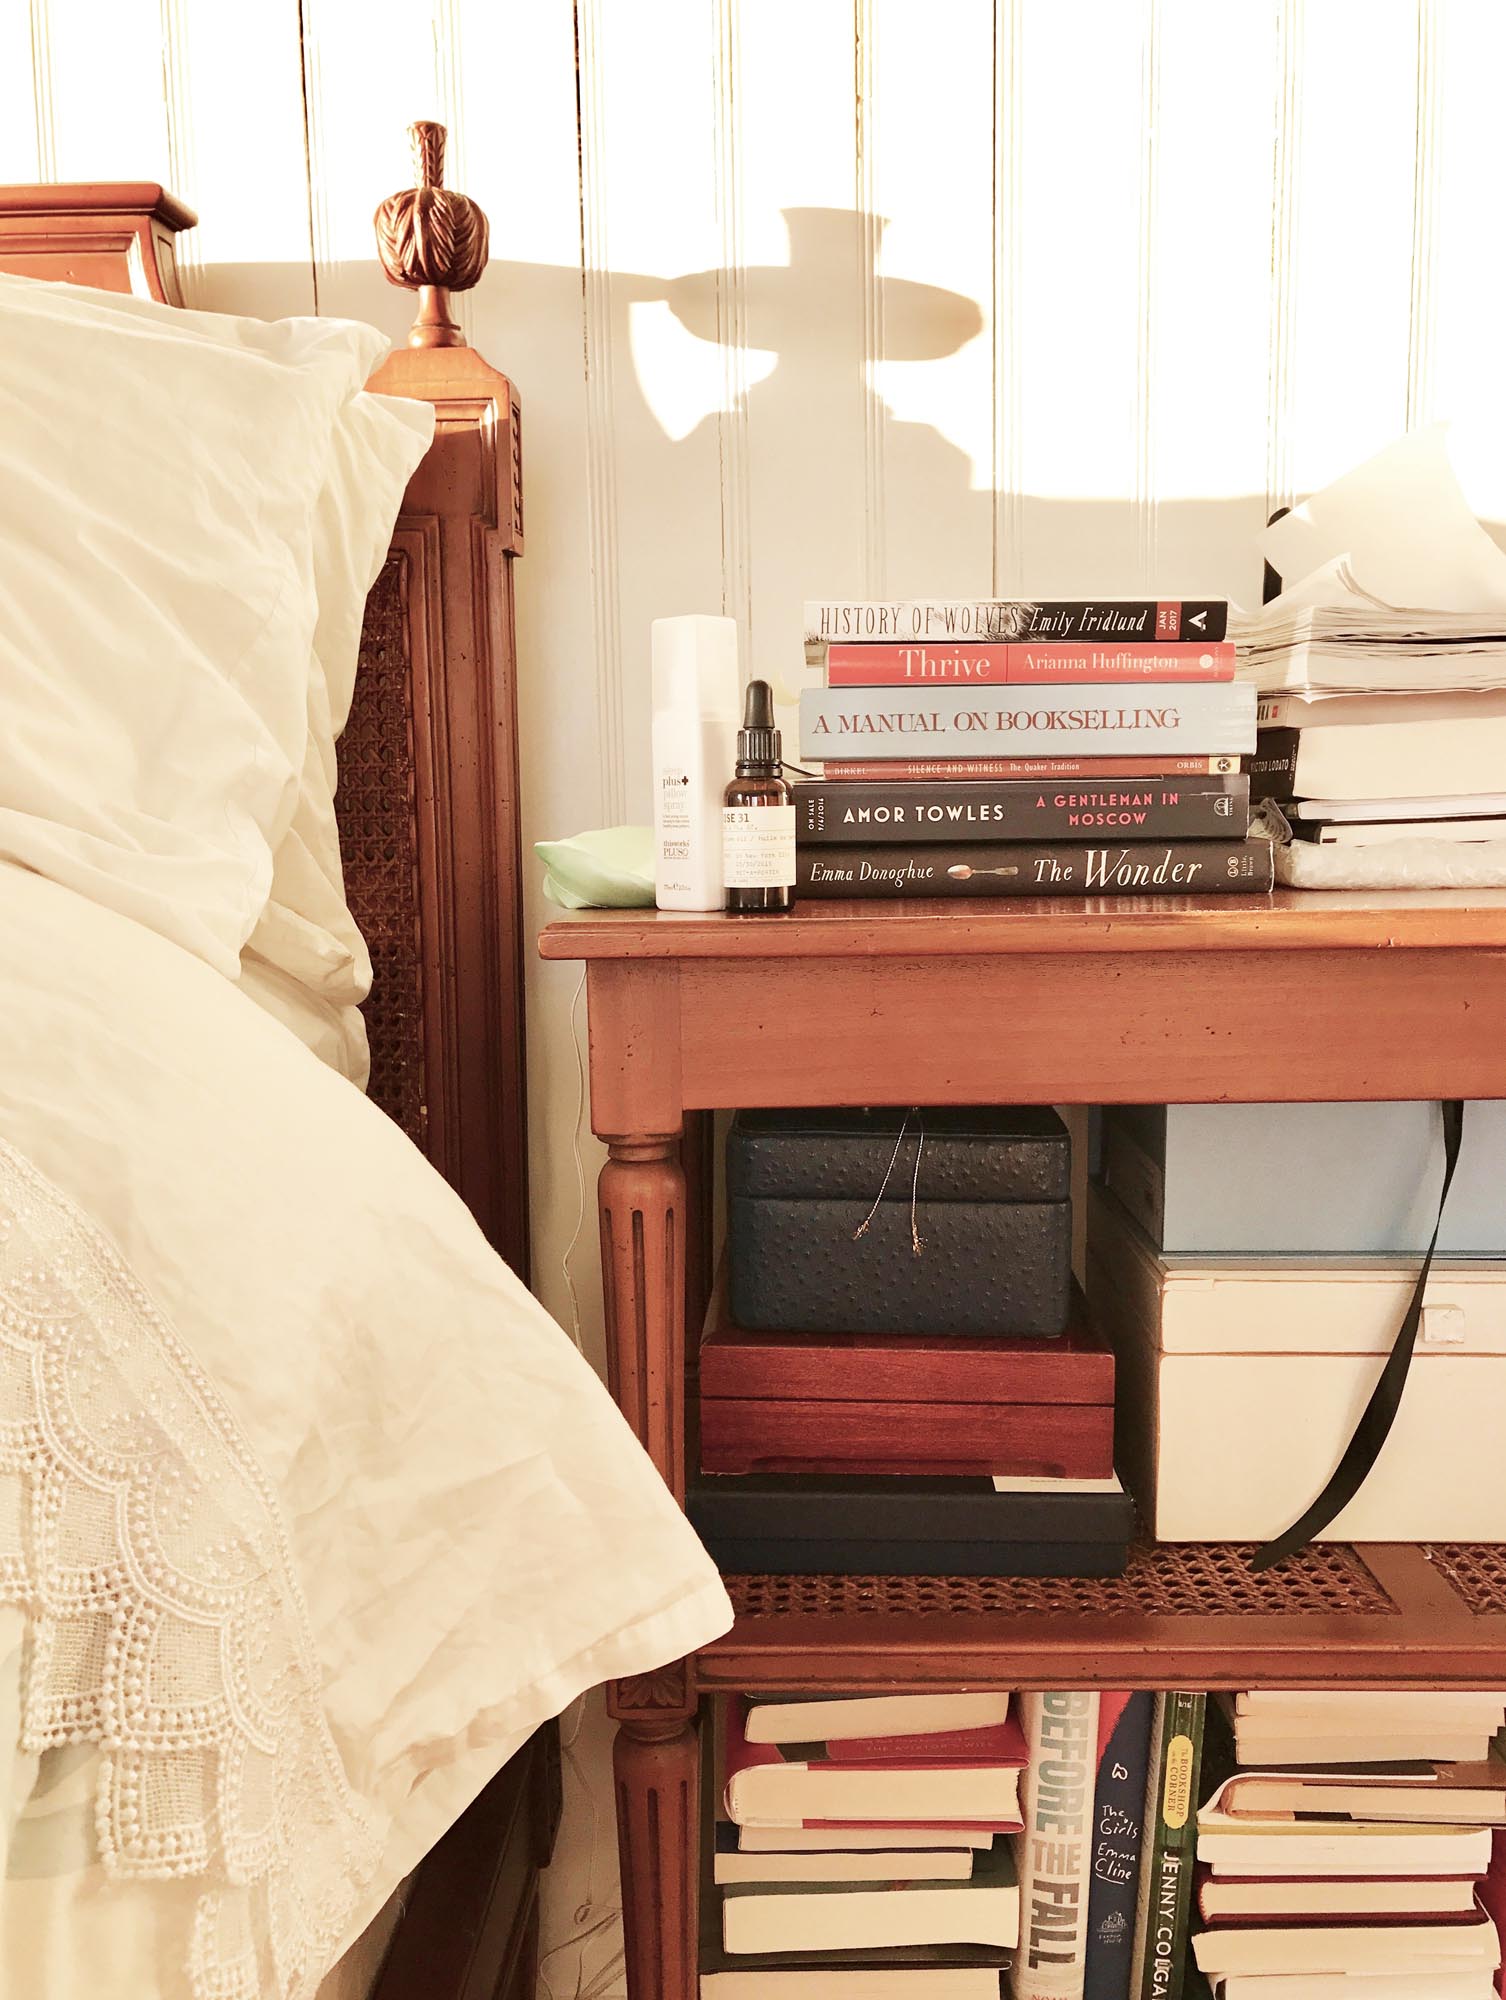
(758, 815)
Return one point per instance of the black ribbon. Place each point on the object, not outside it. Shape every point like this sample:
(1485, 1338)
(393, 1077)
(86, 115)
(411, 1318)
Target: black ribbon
(1374, 1426)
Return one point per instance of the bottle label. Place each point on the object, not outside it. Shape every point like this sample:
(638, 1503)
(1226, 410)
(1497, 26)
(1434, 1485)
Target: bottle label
(673, 816)
(758, 847)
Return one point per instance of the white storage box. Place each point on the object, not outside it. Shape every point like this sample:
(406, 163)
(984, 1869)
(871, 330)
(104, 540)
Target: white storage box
(1240, 1381)
(1360, 1179)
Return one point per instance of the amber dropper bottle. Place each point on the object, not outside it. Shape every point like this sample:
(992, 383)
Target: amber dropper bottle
(758, 815)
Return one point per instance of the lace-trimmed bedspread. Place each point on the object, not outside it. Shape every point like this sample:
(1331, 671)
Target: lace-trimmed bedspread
(166, 1624)
(312, 1512)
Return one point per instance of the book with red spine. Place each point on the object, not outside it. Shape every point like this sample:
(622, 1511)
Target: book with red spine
(996, 1743)
(1254, 1900)
(952, 770)
(798, 1785)
(1022, 663)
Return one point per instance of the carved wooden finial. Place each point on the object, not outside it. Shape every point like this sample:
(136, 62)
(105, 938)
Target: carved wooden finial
(432, 240)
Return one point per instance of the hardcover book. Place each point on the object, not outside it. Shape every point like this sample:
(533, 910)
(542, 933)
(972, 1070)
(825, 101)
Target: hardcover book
(1124, 1732)
(1127, 620)
(1448, 1793)
(1055, 1846)
(1023, 664)
(1266, 1850)
(848, 1917)
(869, 1723)
(1136, 809)
(1368, 760)
(1352, 1949)
(906, 1972)
(1231, 1899)
(1218, 717)
(1139, 868)
(733, 1863)
(1163, 1900)
(771, 1784)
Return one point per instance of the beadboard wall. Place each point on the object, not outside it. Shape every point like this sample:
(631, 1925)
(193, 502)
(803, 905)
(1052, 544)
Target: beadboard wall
(841, 297)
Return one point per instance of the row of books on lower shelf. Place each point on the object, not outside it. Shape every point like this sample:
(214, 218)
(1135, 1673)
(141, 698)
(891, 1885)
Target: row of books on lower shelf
(1084, 1845)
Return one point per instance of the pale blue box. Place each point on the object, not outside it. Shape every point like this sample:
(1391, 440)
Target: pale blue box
(1307, 1179)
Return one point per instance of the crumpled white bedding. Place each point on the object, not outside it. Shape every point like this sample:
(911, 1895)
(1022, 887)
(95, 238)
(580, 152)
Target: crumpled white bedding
(312, 1512)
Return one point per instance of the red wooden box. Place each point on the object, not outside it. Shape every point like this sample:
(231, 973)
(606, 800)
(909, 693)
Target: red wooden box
(896, 1403)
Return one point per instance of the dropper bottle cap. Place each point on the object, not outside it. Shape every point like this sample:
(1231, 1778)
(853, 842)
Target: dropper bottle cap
(759, 750)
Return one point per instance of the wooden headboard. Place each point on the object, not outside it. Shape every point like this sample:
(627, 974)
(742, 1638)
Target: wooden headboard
(428, 797)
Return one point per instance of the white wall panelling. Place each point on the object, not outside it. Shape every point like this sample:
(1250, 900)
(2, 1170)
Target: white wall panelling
(826, 296)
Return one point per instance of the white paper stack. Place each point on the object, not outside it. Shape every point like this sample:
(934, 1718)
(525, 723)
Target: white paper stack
(1381, 669)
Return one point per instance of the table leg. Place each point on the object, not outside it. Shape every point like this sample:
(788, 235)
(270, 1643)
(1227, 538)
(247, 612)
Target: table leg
(656, 1760)
(636, 1109)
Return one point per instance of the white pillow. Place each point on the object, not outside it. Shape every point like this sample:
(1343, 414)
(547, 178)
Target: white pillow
(159, 472)
(306, 929)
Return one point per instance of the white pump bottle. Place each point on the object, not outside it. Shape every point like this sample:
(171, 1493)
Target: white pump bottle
(696, 696)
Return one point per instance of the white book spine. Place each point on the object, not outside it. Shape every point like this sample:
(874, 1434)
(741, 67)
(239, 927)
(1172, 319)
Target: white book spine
(1030, 722)
(1054, 1854)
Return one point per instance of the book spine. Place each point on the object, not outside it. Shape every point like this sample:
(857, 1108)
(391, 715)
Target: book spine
(1053, 1854)
(1272, 769)
(829, 815)
(1023, 663)
(951, 770)
(1127, 621)
(1164, 1901)
(1218, 717)
(1118, 1833)
(1178, 868)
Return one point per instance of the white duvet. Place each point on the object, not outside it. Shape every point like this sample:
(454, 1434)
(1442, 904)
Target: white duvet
(309, 1514)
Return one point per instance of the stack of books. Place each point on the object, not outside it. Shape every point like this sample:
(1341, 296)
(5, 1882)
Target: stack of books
(1005, 748)
(1344, 1853)
(953, 1847)
(1377, 724)
(864, 1851)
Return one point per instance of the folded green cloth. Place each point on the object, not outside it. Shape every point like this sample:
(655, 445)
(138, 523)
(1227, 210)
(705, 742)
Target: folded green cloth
(609, 869)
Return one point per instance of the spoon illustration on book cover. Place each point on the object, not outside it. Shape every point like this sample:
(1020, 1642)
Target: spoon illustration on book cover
(961, 872)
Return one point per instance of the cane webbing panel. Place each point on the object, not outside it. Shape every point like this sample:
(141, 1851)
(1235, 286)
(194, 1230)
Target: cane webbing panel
(1187, 1579)
(1475, 1572)
(376, 808)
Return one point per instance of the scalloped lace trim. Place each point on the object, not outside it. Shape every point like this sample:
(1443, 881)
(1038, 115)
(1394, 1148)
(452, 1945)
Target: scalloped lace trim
(166, 1625)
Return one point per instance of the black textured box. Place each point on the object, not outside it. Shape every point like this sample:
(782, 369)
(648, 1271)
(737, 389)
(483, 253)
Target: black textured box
(965, 1153)
(824, 1208)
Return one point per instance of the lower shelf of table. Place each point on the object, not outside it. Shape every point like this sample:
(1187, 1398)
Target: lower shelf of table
(1184, 1614)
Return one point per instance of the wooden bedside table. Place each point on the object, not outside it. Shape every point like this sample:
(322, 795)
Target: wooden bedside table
(1081, 1001)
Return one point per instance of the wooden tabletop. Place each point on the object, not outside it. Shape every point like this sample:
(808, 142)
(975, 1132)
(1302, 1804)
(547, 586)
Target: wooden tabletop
(919, 927)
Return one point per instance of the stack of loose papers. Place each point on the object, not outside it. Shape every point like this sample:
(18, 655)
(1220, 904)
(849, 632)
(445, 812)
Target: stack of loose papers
(1381, 670)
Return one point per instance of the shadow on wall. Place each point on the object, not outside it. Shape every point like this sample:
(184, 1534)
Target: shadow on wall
(747, 443)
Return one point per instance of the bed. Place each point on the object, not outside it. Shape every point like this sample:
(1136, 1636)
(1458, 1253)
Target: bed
(428, 828)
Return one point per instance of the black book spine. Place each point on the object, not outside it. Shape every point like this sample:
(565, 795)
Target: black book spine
(1118, 1835)
(1272, 769)
(1149, 868)
(1131, 809)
